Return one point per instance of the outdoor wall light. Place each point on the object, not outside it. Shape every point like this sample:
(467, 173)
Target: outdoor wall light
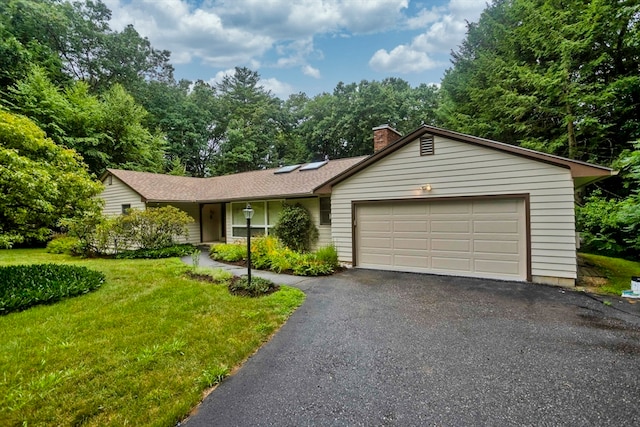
(426, 187)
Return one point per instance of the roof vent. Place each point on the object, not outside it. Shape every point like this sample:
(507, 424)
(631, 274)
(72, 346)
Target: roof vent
(426, 145)
(314, 165)
(287, 169)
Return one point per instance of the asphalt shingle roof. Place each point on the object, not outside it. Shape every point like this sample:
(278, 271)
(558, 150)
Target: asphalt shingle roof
(261, 184)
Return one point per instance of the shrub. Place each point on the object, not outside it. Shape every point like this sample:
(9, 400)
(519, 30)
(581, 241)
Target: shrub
(23, 286)
(310, 265)
(168, 252)
(229, 252)
(264, 250)
(258, 286)
(156, 228)
(295, 228)
(328, 255)
(63, 245)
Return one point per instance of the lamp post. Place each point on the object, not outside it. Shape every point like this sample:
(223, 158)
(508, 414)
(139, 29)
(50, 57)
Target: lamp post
(248, 214)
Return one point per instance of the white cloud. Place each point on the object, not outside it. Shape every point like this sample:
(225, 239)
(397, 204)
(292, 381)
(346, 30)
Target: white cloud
(402, 59)
(227, 33)
(445, 28)
(280, 89)
(308, 70)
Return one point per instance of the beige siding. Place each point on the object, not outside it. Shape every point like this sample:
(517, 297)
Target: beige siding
(117, 194)
(312, 204)
(460, 169)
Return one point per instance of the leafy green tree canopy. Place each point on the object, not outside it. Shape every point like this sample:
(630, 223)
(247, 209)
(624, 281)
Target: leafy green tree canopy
(40, 183)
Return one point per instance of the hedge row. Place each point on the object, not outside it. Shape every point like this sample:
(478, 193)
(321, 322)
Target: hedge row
(23, 286)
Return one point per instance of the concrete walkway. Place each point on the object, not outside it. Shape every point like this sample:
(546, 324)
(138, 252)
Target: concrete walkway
(278, 279)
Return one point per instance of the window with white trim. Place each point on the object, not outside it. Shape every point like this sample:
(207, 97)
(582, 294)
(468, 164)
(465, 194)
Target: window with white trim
(265, 217)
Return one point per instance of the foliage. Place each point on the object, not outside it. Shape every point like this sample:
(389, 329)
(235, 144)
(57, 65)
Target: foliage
(217, 275)
(141, 351)
(166, 252)
(269, 253)
(195, 258)
(295, 228)
(340, 124)
(23, 286)
(156, 228)
(617, 271)
(229, 252)
(257, 288)
(560, 77)
(74, 41)
(40, 183)
(63, 244)
(107, 130)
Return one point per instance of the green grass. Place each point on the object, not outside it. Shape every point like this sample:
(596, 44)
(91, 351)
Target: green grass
(617, 271)
(139, 351)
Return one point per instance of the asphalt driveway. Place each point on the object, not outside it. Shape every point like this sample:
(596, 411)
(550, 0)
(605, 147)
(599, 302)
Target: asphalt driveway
(379, 349)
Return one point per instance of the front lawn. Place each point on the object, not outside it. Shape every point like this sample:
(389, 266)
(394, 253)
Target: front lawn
(138, 351)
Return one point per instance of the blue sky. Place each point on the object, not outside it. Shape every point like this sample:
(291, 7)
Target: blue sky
(303, 45)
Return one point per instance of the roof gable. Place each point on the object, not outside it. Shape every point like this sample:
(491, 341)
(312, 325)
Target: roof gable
(582, 172)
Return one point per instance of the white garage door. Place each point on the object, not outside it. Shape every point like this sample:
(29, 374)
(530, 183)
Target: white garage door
(482, 238)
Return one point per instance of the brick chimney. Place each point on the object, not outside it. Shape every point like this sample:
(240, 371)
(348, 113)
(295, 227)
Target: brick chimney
(384, 135)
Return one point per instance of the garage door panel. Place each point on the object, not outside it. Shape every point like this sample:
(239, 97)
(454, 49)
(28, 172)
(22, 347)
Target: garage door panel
(371, 225)
(496, 226)
(411, 226)
(376, 259)
(450, 208)
(422, 244)
(498, 247)
(484, 238)
(496, 206)
(451, 245)
(411, 261)
(376, 243)
(496, 266)
(450, 226)
(418, 209)
(455, 264)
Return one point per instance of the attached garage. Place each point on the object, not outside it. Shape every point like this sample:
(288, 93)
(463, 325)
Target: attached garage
(437, 201)
(482, 237)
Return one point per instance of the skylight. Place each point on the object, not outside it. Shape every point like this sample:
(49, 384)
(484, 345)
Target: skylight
(287, 169)
(314, 165)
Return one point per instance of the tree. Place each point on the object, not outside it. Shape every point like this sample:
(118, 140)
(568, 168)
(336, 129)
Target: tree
(561, 77)
(73, 40)
(187, 114)
(40, 183)
(340, 124)
(248, 124)
(107, 131)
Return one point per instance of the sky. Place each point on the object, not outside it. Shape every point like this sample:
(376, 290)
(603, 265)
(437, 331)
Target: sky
(303, 45)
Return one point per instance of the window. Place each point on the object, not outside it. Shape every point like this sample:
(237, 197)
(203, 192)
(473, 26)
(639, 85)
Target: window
(426, 145)
(325, 210)
(126, 208)
(265, 217)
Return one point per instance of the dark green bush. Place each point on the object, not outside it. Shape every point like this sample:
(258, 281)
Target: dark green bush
(63, 245)
(257, 288)
(171, 251)
(229, 252)
(23, 286)
(295, 228)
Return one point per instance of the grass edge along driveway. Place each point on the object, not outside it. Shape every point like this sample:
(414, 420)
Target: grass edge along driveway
(138, 351)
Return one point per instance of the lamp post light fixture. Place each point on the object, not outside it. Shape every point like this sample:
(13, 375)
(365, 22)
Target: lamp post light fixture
(248, 214)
